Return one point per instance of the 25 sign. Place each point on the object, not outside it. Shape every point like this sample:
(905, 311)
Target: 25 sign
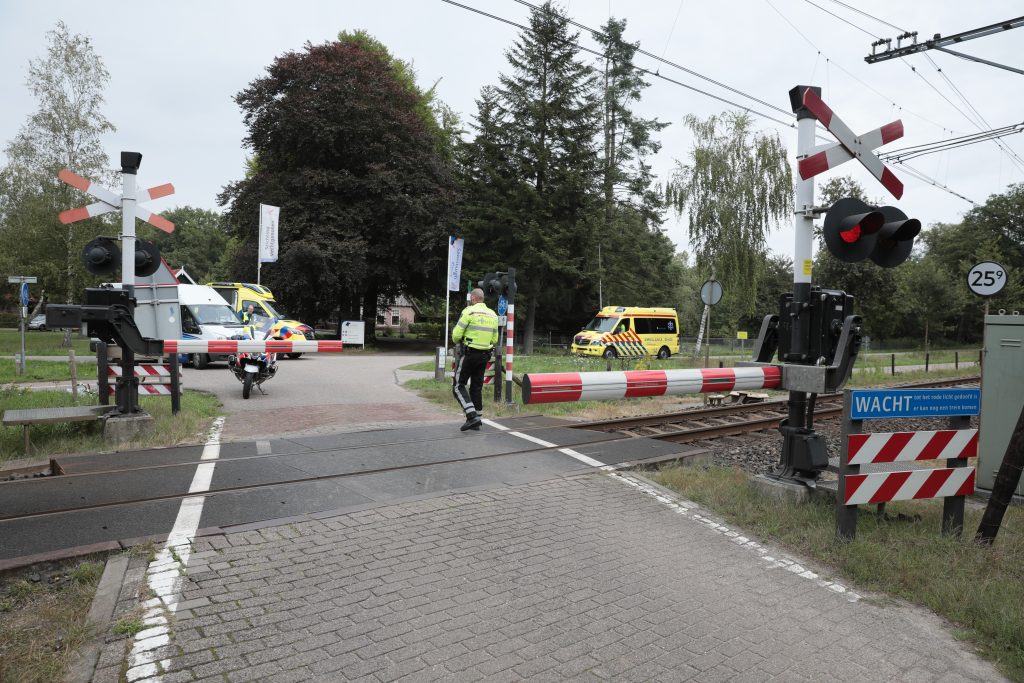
(987, 278)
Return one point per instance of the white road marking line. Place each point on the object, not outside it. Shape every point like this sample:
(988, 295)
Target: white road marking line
(692, 511)
(263, 448)
(165, 573)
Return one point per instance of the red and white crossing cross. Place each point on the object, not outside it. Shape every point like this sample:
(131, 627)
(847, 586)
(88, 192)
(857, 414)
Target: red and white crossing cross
(850, 146)
(112, 202)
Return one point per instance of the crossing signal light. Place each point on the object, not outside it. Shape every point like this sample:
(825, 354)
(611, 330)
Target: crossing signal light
(147, 258)
(101, 256)
(855, 231)
(499, 284)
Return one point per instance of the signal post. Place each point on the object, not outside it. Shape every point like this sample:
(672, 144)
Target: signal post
(816, 332)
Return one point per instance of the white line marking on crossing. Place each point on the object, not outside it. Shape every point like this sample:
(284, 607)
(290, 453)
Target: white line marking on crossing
(165, 573)
(693, 511)
(263, 448)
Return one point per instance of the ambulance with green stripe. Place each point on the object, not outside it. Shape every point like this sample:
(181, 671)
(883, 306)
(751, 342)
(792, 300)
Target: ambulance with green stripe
(629, 331)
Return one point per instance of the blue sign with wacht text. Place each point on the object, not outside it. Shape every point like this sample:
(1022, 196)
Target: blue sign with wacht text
(877, 404)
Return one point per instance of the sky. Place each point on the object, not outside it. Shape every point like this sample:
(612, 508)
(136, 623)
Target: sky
(175, 68)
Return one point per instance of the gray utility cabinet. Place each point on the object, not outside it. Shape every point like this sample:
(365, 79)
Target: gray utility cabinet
(1002, 393)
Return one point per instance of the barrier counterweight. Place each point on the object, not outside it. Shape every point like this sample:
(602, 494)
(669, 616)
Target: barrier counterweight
(562, 387)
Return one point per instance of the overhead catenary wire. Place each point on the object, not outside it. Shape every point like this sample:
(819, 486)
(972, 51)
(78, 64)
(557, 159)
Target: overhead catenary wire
(909, 152)
(655, 74)
(980, 122)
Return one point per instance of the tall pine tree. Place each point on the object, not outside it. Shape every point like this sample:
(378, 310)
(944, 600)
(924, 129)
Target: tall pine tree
(545, 117)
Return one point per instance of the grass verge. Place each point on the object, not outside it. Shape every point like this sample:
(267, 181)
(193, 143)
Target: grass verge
(189, 426)
(44, 371)
(980, 590)
(43, 618)
(41, 343)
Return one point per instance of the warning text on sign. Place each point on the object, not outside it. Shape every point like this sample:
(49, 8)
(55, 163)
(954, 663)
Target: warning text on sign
(874, 404)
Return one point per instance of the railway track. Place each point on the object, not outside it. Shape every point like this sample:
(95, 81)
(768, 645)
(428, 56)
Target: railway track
(680, 427)
(715, 422)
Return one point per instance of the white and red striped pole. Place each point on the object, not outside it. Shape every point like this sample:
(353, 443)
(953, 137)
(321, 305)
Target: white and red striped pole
(562, 387)
(510, 337)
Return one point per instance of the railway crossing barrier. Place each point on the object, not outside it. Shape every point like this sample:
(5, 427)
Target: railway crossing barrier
(562, 387)
(151, 377)
(489, 375)
(880, 449)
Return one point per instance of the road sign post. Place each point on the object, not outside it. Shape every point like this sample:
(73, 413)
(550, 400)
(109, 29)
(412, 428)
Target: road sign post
(23, 281)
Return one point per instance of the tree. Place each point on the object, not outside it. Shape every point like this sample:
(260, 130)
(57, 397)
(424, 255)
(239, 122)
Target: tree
(535, 147)
(736, 185)
(627, 139)
(348, 146)
(199, 239)
(63, 132)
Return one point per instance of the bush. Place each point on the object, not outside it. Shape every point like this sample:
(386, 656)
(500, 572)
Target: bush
(427, 330)
(9, 319)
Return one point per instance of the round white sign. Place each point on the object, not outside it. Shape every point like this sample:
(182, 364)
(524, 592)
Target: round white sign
(987, 278)
(711, 292)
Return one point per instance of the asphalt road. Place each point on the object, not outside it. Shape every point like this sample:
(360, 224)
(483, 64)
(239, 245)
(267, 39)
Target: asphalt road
(322, 394)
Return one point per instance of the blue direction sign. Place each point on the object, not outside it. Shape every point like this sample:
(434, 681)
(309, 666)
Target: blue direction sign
(877, 404)
(502, 305)
(24, 294)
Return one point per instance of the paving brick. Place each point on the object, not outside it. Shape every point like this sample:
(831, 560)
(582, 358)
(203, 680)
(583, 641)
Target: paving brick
(580, 578)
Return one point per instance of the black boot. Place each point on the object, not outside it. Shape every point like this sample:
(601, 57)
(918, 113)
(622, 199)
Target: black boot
(472, 422)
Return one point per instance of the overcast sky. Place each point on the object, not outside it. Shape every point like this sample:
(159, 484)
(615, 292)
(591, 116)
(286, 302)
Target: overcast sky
(175, 67)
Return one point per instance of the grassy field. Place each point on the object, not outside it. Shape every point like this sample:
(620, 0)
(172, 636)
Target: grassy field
(40, 343)
(980, 590)
(189, 426)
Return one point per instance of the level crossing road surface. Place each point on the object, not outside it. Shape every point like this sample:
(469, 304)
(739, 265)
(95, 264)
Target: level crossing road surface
(513, 553)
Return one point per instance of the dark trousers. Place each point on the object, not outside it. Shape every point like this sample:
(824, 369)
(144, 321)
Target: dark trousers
(471, 368)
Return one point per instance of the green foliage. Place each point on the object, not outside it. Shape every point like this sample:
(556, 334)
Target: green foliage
(64, 132)
(198, 242)
(348, 148)
(128, 626)
(736, 185)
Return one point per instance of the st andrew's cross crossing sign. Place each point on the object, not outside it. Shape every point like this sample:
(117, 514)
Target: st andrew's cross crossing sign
(850, 146)
(112, 202)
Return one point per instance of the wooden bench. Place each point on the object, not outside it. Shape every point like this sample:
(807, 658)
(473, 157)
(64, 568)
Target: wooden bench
(31, 416)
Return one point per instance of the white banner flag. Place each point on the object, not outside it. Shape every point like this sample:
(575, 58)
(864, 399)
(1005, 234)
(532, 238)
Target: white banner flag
(454, 263)
(269, 216)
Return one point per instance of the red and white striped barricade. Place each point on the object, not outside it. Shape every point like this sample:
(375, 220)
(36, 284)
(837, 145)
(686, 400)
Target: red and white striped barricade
(488, 373)
(876, 449)
(154, 378)
(561, 387)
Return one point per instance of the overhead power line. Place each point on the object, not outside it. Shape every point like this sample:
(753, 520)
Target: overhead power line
(900, 155)
(640, 69)
(979, 122)
(940, 43)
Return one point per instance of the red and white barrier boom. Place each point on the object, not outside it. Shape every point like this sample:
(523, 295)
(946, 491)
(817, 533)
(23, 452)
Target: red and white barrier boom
(250, 346)
(561, 387)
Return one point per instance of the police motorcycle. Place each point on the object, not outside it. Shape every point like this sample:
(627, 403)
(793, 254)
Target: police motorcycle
(251, 368)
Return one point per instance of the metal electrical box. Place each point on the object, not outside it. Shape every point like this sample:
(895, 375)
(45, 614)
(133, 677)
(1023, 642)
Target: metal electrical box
(1002, 393)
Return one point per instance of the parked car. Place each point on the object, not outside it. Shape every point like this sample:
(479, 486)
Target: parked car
(37, 323)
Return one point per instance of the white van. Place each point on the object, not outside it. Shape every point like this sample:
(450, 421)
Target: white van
(206, 315)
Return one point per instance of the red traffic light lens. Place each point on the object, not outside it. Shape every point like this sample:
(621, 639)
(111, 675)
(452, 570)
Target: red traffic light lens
(852, 235)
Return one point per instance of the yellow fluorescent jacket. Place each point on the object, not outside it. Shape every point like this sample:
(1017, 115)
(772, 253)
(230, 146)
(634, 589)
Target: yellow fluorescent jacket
(477, 327)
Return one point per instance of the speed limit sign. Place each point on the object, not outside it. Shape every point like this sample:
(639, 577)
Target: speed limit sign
(987, 278)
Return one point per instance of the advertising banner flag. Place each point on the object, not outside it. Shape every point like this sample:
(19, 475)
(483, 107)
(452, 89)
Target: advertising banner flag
(454, 263)
(269, 216)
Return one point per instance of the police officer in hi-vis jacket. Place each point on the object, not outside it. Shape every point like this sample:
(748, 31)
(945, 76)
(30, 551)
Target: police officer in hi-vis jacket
(477, 331)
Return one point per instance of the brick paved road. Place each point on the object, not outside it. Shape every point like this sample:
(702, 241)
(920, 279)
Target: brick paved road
(586, 578)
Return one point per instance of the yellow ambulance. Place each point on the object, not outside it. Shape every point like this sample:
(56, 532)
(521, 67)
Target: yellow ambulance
(624, 331)
(241, 295)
